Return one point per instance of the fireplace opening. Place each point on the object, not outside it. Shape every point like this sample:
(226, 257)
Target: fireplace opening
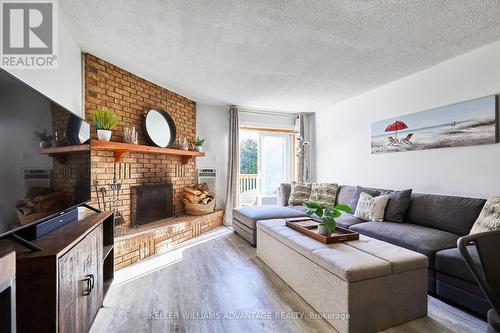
(151, 202)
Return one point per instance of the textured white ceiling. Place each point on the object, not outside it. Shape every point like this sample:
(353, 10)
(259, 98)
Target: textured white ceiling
(281, 55)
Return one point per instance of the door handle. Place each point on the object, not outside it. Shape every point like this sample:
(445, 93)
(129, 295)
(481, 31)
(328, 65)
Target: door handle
(89, 280)
(88, 285)
(93, 281)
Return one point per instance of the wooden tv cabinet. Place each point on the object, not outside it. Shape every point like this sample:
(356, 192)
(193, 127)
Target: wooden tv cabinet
(61, 288)
(7, 291)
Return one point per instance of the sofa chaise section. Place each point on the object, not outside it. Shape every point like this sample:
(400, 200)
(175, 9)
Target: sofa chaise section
(455, 283)
(245, 218)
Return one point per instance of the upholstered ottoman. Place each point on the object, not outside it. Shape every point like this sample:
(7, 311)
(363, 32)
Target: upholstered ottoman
(358, 286)
(245, 218)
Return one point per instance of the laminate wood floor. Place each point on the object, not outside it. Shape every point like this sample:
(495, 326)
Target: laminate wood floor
(215, 283)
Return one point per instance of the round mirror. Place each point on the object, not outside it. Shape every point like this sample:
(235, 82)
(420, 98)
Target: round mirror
(159, 128)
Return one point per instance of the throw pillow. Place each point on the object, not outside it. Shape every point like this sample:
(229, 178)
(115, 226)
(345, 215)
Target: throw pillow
(371, 208)
(324, 193)
(299, 194)
(284, 194)
(355, 197)
(489, 218)
(398, 204)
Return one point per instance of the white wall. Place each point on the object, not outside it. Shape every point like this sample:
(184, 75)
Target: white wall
(64, 84)
(343, 132)
(212, 123)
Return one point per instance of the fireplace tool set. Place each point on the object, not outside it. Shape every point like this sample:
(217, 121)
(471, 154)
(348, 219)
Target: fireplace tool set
(115, 189)
(100, 193)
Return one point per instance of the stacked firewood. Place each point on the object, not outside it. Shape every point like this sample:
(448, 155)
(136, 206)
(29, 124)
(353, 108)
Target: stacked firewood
(198, 200)
(39, 202)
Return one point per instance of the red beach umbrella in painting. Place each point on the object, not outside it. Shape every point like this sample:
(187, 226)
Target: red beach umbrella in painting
(396, 126)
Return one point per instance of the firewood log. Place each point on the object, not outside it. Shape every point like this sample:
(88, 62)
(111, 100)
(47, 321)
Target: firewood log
(48, 196)
(202, 187)
(191, 197)
(192, 191)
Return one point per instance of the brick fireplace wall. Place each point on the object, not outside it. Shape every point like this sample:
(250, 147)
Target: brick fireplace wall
(129, 96)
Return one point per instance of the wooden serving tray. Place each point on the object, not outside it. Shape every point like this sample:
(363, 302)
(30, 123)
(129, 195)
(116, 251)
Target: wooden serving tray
(339, 235)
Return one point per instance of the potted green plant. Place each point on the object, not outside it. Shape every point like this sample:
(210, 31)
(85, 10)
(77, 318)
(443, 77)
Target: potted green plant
(327, 215)
(45, 139)
(198, 144)
(104, 120)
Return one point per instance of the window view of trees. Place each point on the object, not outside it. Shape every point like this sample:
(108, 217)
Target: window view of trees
(248, 159)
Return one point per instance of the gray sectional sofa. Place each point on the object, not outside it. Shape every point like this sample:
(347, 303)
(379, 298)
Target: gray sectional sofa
(432, 226)
(245, 219)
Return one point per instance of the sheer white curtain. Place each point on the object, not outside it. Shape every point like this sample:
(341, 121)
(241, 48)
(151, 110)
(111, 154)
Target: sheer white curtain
(233, 166)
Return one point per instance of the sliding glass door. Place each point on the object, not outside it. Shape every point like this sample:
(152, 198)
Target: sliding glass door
(265, 163)
(274, 164)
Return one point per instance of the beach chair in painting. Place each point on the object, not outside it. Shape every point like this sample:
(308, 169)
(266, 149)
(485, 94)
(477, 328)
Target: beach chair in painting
(393, 141)
(407, 140)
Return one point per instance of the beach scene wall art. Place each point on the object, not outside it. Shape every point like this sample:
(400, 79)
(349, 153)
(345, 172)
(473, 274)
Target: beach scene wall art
(467, 123)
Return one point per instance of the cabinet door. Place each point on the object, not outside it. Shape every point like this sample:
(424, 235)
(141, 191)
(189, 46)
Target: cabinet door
(90, 256)
(69, 284)
(80, 284)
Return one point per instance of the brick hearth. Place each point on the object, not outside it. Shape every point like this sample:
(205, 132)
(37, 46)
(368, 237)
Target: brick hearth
(160, 236)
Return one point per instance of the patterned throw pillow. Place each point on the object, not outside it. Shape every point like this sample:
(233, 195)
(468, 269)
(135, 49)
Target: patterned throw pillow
(359, 189)
(299, 193)
(324, 193)
(371, 208)
(489, 219)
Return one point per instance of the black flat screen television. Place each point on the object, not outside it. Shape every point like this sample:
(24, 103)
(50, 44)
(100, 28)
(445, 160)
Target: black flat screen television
(45, 157)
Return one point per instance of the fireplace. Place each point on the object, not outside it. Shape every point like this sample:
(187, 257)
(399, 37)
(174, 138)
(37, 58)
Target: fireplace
(151, 202)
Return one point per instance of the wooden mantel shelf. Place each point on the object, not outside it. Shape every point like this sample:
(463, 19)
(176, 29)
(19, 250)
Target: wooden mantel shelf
(65, 149)
(60, 153)
(121, 149)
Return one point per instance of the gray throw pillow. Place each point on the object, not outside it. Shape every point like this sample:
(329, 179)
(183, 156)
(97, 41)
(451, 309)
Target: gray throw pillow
(284, 194)
(398, 204)
(355, 197)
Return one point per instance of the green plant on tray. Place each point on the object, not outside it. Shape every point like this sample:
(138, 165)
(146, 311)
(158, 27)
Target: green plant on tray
(327, 214)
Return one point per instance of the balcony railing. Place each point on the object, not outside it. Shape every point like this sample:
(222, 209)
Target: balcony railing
(254, 186)
(248, 182)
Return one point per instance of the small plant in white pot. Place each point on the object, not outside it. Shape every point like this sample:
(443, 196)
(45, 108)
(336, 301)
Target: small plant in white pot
(198, 144)
(104, 120)
(327, 215)
(45, 139)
